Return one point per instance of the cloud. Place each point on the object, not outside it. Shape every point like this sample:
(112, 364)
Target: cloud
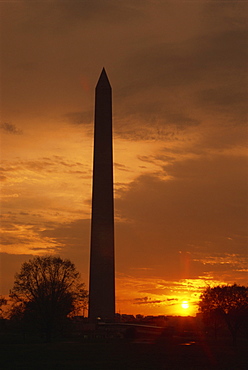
(60, 17)
(229, 101)
(38, 236)
(107, 11)
(223, 262)
(73, 237)
(9, 128)
(46, 249)
(181, 84)
(54, 164)
(121, 167)
(155, 126)
(146, 300)
(218, 58)
(158, 81)
(79, 118)
(199, 211)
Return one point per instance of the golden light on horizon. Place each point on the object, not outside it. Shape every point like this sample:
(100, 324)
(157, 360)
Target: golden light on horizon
(186, 308)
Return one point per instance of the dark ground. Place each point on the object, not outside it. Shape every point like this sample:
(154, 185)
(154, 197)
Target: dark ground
(173, 353)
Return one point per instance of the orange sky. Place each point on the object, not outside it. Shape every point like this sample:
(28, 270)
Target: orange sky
(179, 79)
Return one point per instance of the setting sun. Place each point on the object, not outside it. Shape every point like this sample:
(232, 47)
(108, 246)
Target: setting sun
(185, 305)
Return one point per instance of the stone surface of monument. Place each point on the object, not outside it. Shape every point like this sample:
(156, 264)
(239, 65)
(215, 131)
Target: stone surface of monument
(102, 261)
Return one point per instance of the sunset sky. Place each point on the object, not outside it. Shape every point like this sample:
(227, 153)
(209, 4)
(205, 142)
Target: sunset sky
(178, 71)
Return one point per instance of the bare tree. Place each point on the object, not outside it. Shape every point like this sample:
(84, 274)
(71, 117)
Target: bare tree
(46, 291)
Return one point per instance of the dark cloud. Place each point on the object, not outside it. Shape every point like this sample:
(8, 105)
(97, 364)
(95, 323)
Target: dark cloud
(207, 72)
(121, 167)
(199, 210)
(60, 17)
(156, 83)
(72, 235)
(74, 241)
(228, 100)
(9, 128)
(161, 124)
(162, 130)
(224, 14)
(39, 165)
(210, 58)
(146, 300)
(9, 240)
(107, 11)
(79, 118)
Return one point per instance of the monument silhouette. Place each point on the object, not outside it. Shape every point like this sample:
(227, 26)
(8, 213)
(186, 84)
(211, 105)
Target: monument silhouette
(102, 265)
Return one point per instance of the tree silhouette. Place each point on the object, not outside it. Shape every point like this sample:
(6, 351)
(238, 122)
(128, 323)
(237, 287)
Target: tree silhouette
(46, 291)
(3, 302)
(226, 303)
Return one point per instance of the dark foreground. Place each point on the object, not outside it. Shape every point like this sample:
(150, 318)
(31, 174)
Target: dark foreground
(76, 355)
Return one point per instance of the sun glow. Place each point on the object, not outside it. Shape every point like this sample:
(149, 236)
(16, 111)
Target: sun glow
(185, 305)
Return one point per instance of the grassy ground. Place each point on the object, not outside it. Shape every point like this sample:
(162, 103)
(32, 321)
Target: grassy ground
(119, 355)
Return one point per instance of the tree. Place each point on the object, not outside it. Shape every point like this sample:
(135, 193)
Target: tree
(227, 303)
(3, 302)
(46, 291)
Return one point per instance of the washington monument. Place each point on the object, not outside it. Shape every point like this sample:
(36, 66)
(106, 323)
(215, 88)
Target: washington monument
(102, 266)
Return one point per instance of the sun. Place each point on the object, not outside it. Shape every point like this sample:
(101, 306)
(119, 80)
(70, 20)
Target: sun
(185, 305)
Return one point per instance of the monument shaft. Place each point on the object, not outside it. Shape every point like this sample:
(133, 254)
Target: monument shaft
(102, 266)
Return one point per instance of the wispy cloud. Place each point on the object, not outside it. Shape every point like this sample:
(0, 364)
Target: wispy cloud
(9, 128)
(54, 164)
(146, 300)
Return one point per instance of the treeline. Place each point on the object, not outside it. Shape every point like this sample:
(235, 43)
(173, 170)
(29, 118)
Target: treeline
(47, 294)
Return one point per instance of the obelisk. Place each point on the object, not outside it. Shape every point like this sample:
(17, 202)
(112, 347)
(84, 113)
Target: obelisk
(102, 265)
